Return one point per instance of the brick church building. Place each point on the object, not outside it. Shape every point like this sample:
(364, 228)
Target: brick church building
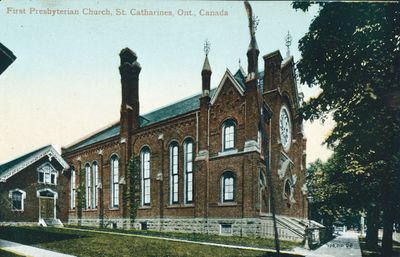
(201, 167)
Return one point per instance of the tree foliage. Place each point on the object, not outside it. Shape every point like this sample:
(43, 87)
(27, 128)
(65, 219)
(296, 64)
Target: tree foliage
(352, 52)
(335, 200)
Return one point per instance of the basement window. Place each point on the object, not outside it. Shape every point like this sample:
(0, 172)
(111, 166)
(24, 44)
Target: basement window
(143, 225)
(225, 229)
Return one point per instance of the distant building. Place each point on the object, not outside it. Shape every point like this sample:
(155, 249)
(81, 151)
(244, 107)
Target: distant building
(6, 58)
(32, 188)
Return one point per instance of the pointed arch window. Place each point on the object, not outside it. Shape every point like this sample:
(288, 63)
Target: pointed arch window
(88, 192)
(174, 173)
(228, 187)
(228, 135)
(114, 182)
(95, 175)
(72, 188)
(188, 166)
(145, 175)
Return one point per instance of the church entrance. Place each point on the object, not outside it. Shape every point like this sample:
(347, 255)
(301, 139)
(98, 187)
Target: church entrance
(47, 203)
(46, 208)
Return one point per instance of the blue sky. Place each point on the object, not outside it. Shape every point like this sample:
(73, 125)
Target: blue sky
(65, 81)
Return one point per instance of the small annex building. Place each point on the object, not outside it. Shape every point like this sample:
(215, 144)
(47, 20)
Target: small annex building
(32, 189)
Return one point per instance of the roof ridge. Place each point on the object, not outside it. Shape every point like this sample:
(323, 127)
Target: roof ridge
(89, 135)
(23, 155)
(148, 117)
(168, 105)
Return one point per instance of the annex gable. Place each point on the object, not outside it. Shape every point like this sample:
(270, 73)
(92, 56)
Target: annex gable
(9, 169)
(227, 80)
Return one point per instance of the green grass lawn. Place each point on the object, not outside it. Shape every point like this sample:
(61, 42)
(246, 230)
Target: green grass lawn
(8, 254)
(230, 240)
(82, 243)
(377, 252)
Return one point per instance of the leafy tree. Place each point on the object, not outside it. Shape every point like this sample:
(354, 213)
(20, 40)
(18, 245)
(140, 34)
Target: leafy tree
(335, 200)
(351, 52)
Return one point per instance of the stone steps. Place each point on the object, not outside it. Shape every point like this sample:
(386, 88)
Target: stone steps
(50, 223)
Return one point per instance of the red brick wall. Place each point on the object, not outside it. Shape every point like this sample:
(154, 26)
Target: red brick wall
(207, 175)
(27, 180)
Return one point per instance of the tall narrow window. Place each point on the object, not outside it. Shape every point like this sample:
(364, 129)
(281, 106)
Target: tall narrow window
(95, 171)
(17, 199)
(228, 135)
(228, 187)
(173, 157)
(73, 189)
(88, 186)
(114, 182)
(145, 175)
(188, 148)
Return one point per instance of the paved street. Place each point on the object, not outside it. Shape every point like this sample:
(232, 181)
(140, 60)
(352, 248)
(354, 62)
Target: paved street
(29, 250)
(345, 245)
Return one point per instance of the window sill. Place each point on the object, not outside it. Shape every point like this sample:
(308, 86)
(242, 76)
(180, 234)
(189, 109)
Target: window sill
(227, 204)
(228, 152)
(89, 210)
(48, 184)
(114, 209)
(182, 206)
(145, 207)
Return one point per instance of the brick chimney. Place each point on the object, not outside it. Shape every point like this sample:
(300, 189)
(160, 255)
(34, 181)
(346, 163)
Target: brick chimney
(129, 70)
(272, 70)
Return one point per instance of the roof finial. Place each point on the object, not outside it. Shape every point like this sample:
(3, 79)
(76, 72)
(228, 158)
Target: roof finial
(253, 23)
(206, 65)
(288, 43)
(206, 47)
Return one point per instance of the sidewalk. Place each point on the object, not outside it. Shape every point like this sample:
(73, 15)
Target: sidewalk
(29, 251)
(345, 245)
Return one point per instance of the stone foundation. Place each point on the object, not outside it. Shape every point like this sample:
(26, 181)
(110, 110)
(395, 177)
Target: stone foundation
(18, 224)
(249, 227)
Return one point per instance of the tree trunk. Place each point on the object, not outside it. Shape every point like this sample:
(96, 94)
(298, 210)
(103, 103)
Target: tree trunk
(371, 239)
(387, 239)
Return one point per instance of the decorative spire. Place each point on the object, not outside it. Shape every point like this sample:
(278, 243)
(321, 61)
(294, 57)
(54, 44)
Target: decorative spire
(253, 23)
(288, 43)
(206, 65)
(252, 52)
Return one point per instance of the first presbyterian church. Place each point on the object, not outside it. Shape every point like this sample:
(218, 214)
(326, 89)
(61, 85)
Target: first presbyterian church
(201, 164)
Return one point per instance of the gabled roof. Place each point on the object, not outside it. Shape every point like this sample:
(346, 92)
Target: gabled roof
(11, 168)
(228, 75)
(6, 58)
(184, 106)
(240, 77)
